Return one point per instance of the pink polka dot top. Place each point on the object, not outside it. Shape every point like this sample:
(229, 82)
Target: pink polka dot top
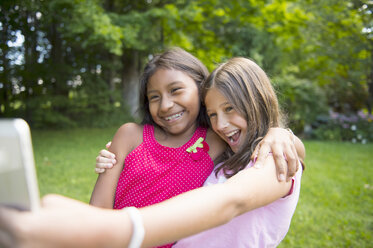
(153, 173)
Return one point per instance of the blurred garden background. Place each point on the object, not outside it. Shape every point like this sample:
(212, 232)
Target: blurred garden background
(70, 68)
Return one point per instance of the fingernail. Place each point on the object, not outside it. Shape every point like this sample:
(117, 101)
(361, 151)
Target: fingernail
(113, 161)
(282, 177)
(257, 165)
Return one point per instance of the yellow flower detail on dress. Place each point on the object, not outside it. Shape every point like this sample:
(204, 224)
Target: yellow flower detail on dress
(202, 146)
(193, 148)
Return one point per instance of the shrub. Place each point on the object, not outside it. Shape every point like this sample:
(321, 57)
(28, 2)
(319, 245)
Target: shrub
(354, 127)
(301, 100)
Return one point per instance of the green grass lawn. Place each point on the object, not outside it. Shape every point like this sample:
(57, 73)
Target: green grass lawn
(335, 208)
(65, 160)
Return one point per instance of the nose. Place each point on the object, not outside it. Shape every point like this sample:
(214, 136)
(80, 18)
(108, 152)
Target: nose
(166, 103)
(221, 123)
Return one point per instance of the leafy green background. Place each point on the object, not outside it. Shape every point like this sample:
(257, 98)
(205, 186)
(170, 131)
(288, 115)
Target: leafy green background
(69, 63)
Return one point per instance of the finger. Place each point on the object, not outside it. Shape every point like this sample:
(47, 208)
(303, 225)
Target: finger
(280, 161)
(291, 162)
(255, 152)
(102, 159)
(101, 165)
(105, 163)
(107, 154)
(263, 152)
(108, 145)
(296, 158)
(100, 170)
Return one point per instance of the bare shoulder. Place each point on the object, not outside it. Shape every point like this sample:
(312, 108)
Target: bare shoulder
(217, 145)
(129, 134)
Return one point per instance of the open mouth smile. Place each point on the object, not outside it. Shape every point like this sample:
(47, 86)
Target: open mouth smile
(174, 117)
(233, 136)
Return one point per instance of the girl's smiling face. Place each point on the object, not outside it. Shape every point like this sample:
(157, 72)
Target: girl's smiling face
(173, 101)
(225, 120)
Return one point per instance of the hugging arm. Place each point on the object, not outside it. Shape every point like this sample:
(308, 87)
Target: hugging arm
(287, 150)
(279, 141)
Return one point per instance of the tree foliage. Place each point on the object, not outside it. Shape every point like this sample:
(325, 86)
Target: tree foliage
(77, 62)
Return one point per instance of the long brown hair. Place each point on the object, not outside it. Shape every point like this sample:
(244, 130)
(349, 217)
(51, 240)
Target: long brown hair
(180, 60)
(247, 87)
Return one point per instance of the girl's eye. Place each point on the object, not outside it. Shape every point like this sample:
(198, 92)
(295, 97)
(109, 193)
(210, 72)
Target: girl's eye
(212, 115)
(174, 90)
(228, 109)
(152, 98)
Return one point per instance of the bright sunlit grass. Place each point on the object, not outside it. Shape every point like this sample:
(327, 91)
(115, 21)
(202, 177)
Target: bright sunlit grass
(335, 207)
(336, 203)
(65, 160)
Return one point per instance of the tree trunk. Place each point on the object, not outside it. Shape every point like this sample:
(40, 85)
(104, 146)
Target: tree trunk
(130, 80)
(6, 89)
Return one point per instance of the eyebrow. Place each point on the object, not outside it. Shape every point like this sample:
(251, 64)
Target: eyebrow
(169, 85)
(221, 105)
(224, 103)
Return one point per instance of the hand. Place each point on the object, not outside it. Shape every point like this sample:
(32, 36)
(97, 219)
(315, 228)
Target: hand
(8, 230)
(105, 160)
(63, 222)
(281, 142)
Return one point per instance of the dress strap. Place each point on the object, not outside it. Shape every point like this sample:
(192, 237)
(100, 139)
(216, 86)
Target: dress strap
(148, 134)
(202, 132)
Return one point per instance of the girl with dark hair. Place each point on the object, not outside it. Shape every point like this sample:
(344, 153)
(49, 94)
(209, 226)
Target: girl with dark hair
(169, 152)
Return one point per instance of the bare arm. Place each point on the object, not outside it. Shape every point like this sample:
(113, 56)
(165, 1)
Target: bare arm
(78, 225)
(64, 222)
(124, 140)
(277, 140)
(208, 207)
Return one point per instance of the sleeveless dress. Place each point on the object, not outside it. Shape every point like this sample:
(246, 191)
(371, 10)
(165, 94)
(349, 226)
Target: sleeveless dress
(153, 173)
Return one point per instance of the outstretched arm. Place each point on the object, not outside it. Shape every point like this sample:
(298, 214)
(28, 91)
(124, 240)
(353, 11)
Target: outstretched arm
(64, 222)
(214, 205)
(79, 225)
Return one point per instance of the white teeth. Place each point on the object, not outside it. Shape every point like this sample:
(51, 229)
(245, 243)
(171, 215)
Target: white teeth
(175, 116)
(229, 135)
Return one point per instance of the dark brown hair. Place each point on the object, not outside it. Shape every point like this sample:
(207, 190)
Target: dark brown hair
(246, 86)
(176, 59)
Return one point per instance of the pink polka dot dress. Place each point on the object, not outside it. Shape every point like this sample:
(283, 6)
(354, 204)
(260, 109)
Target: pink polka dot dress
(153, 173)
